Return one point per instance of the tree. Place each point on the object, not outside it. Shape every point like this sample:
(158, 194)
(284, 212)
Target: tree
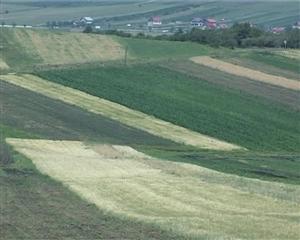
(88, 29)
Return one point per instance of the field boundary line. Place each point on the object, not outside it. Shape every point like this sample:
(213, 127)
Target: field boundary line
(247, 72)
(118, 113)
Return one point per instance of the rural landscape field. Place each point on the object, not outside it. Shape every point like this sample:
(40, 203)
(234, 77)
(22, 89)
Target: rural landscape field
(118, 134)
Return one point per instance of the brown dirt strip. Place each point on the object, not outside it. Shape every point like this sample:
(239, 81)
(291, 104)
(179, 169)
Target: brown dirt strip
(119, 113)
(248, 73)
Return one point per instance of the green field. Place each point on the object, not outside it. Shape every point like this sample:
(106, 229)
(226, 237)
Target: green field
(226, 114)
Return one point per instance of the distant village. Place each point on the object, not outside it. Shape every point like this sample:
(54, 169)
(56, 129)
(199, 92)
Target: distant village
(154, 24)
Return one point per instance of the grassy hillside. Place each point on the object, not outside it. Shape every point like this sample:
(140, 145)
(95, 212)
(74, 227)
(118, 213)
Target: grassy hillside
(143, 49)
(194, 103)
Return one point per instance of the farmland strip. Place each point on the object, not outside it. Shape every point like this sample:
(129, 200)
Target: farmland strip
(188, 199)
(248, 73)
(119, 113)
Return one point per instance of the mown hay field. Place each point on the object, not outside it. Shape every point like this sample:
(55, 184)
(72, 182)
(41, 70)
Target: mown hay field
(28, 48)
(248, 73)
(66, 48)
(186, 199)
(119, 113)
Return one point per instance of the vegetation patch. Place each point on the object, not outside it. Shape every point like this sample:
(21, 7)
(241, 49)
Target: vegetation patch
(273, 93)
(246, 72)
(187, 199)
(194, 103)
(119, 113)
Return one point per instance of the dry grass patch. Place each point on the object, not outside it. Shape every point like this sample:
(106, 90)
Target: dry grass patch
(294, 54)
(184, 198)
(3, 65)
(66, 48)
(118, 112)
(248, 73)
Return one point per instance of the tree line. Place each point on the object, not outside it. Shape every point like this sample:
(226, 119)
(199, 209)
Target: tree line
(239, 35)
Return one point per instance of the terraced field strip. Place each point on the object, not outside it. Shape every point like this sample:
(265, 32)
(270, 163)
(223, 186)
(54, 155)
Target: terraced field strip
(248, 73)
(118, 112)
(184, 198)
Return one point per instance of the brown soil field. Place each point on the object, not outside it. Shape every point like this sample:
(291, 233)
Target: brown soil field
(248, 73)
(187, 199)
(119, 113)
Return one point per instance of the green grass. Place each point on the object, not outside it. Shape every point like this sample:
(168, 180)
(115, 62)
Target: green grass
(227, 114)
(275, 94)
(143, 49)
(13, 53)
(270, 167)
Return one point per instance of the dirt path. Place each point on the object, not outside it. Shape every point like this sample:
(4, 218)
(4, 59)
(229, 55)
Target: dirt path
(119, 113)
(247, 72)
(188, 199)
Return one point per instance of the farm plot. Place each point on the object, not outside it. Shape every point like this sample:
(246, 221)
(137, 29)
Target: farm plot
(67, 48)
(248, 73)
(119, 113)
(187, 199)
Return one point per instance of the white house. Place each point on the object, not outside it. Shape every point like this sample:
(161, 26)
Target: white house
(86, 20)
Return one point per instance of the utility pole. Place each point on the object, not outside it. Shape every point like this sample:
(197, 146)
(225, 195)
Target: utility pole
(285, 43)
(125, 57)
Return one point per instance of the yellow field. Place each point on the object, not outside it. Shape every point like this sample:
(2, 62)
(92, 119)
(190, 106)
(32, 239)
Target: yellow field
(118, 112)
(66, 48)
(247, 72)
(184, 198)
(3, 65)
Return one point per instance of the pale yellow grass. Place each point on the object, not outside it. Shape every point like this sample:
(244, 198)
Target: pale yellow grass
(247, 72)
(295, 53)
(118, 112)
(3, 65)
(67, 48)
(187, 199)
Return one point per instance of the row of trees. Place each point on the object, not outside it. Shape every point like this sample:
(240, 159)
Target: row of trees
(239, 35)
